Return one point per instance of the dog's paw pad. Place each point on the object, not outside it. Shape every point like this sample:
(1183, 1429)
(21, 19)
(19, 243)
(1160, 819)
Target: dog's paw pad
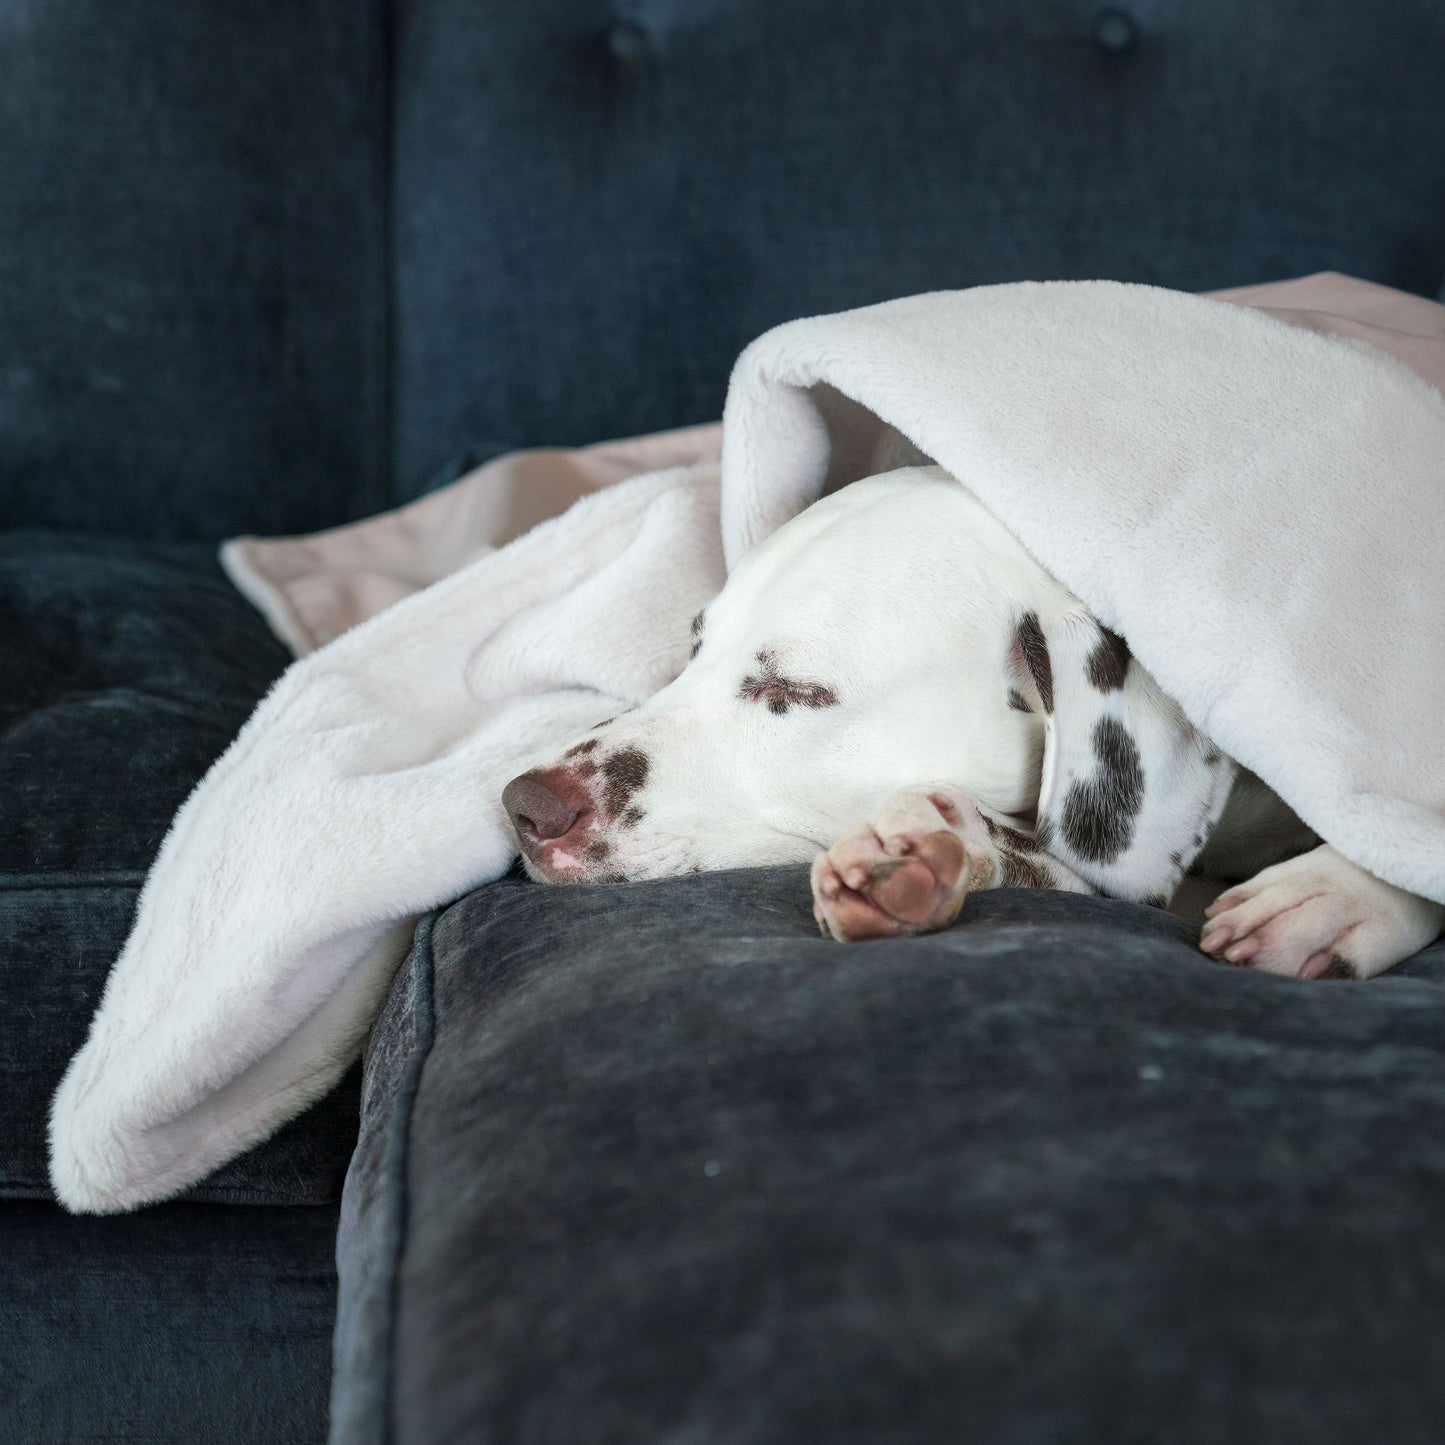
(874, 885)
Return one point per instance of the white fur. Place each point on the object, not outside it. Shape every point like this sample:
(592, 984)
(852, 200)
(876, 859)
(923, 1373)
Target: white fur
(1199, 474)
(1306, 914)
(902, 595)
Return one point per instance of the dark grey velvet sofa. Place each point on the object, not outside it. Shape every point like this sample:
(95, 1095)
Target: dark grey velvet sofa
(653, 1163)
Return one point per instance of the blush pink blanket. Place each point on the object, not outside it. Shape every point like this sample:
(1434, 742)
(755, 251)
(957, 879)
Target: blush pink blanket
(312, 588)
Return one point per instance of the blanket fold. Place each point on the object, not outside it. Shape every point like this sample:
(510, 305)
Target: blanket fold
(364, 790)
(1259, 508)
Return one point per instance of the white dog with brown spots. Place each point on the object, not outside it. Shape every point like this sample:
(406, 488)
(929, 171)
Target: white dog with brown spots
(891, 688)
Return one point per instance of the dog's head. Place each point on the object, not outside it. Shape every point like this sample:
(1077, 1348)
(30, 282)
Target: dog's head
(868, 645)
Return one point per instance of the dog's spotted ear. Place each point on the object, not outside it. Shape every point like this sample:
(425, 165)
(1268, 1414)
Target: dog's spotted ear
(1130, 788)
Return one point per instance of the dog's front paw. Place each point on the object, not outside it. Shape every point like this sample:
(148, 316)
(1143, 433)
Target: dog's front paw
(1318, 916)
(907, 870)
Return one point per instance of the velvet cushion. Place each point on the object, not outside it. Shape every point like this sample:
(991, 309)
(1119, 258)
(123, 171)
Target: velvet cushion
(177, 1325)
(654, 1162)
(125, 669)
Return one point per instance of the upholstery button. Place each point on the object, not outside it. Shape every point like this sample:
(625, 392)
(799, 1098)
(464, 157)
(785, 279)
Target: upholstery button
(1114, 31)
(628, 42)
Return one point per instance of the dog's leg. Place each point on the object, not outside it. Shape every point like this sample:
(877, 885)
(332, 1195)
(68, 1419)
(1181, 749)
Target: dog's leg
(911, 865)
(1318, 916)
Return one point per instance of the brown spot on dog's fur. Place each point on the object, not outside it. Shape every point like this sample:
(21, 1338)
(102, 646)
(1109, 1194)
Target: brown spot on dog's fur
(585, 746)
(1109, 661)
(1035, 651)
(1099, 811)
(780, 692)
(608, 878)
(1007, 837)
(606, 722)
(628, 767)
(632, 817)
(1341, 968)
(625, 771)
(697, 633)
(586, 768)
(1017, 701)
(598, 850)
(1020, 872)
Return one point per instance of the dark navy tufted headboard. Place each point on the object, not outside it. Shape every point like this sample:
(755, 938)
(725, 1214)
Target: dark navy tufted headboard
(192, 228)
(597, 206)
(267, 267)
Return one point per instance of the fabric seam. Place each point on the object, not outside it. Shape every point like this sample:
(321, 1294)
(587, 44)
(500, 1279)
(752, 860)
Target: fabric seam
(398, 1150)
(76, 882)
(388, 25)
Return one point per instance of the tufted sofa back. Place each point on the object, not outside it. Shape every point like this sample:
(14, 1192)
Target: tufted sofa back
(192, 265)
(266, 268)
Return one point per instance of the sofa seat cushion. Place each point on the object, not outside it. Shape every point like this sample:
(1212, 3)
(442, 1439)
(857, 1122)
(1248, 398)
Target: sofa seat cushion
(180, 1324)
(658, 1159)
(125, 669)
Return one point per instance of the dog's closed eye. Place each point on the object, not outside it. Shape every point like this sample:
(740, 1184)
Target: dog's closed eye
(780, 693)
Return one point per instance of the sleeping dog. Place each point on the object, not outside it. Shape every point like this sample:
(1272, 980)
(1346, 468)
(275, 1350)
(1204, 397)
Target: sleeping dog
(890, 687)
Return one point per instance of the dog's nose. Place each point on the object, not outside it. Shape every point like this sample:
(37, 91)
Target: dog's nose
(545, 806)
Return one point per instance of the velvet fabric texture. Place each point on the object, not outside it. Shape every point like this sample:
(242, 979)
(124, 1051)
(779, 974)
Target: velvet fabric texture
(654, 1162)
(185, 1323)
(125, 668)
(267, 268)
(241, 252)
(597, 207)
(192, 243)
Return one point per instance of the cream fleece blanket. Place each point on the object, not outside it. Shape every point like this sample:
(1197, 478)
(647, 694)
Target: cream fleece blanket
(1259, 509)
